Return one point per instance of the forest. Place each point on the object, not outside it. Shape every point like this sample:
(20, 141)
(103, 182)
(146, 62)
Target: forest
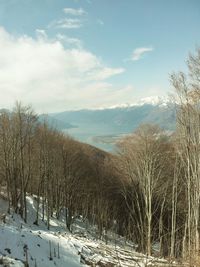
(147, 191)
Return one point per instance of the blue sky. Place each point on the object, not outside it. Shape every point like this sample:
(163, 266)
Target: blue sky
(60, 54)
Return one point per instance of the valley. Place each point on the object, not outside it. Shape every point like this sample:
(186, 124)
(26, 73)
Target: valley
(104, 127)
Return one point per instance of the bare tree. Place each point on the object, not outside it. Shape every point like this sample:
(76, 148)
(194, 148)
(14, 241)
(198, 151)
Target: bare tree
(143, 161)
(187, 89)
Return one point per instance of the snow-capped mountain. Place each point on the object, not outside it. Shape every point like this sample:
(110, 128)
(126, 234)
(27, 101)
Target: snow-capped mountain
(152, 100)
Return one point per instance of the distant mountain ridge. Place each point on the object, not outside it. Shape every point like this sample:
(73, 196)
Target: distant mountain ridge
(102, 127)
(55, 123)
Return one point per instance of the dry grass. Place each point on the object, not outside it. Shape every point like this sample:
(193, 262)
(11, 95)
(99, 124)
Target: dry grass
(194, 262)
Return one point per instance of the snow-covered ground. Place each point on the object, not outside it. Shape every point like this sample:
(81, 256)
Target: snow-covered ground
(58, 247)
(16, 237)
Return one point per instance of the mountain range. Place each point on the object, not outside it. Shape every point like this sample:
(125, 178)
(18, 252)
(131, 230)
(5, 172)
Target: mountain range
(103, 127)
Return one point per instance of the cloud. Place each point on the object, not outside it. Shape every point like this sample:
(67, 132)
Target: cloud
(66, 23)
(74, 12)
(139, 52)
(40, 33)
(69, 22)
(105, 73)
(52, 77)
(66, 40)
(69, 41)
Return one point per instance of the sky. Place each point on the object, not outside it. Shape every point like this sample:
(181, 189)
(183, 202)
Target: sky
(58, 55)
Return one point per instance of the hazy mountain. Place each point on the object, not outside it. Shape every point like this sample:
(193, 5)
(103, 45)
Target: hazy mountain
(55, 123)
(103, 127)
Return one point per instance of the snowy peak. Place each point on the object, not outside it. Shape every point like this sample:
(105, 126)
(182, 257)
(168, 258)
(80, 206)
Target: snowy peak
(154, 101)
(151, 100)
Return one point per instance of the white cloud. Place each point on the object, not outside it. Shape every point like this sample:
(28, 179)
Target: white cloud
(40, 33)
(69, 41)
(66, 23)
(74, 12)
(104, 73)
(69, 22)
(139, 52)
(51, 77)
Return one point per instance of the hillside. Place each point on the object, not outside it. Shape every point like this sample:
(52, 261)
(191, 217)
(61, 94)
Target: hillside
(59, 247)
